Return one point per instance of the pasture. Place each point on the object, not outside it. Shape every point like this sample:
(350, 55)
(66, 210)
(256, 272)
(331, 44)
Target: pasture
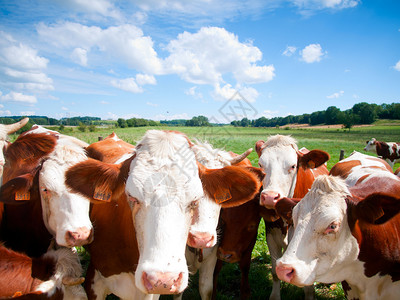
(238, 140)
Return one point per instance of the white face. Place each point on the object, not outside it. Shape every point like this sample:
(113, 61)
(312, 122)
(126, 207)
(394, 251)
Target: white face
(280, 166)
(66, 214)
(163, 185)
(322, 247)
(371, 146)
(2, 160)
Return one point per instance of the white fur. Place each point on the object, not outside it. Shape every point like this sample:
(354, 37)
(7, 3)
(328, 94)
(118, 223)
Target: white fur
(368, 166)
(328, 258)
(279, 155)
(164, 179)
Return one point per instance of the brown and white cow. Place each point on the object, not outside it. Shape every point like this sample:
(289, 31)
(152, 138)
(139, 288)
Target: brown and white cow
(289, 173)
(163, 183)
(46, 277)
(347, 234)
(203, 230)
(388, 151)
(37, 204)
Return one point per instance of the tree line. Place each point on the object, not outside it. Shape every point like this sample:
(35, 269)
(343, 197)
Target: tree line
(360, 113)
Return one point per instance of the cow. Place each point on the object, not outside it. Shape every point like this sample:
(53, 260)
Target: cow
(46, 277)
(388, 151)
(37, 204)
(161, 183)
(289, 173)
(347, 233)
(199, 256)
(5, 130)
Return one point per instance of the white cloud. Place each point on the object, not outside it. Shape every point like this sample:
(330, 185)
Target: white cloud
(227, 92)
(79, 56)
(64, 108)
(312, 53)
(289, 51)
(152, 104)
(397, 66)
(22, 68)
(128, 85)
(103, 8)
(205, 56)
(313, 5)
(125, 43)
(19, 97)
(104, 102)
(143, 79)
(194, 93)
(336, 95)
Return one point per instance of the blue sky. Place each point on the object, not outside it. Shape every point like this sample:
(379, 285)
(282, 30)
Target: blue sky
(160, 59)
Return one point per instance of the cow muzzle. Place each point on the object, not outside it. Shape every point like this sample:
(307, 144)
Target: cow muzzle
(162, 283)
(269, 199)
(227, 256)
(200, 240)
(81, 236)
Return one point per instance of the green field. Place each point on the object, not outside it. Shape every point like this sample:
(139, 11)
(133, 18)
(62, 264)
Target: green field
(332, 140)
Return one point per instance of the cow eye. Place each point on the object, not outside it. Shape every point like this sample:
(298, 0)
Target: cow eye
(332, 228)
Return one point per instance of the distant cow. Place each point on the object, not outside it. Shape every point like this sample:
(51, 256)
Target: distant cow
(347, 234)
(289, 173)
(162, 183)
(46, 277)
(388, 151)
(37, 204)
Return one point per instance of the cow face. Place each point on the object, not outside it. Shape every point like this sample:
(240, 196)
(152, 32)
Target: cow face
(371, 145)
(328, 227)
(65, 214)
(280, 160)
(163, 183)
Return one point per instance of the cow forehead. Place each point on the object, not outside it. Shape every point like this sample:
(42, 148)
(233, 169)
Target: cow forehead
(280, 155)
(325, 201)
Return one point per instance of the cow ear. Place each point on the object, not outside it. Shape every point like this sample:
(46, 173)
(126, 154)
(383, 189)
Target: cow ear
(97, 181)
(284, 208)
(312, 159)
(259, 145)
(378, 208)
(17, 190)
(230, 186)
(258, 171)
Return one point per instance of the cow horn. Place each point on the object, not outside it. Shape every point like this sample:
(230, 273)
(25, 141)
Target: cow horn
(69, 280)
(239, 158)
(11, 128)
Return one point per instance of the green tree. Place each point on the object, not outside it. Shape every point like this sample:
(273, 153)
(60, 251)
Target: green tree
(122, 123)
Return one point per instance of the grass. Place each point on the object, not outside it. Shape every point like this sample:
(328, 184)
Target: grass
(238, 140)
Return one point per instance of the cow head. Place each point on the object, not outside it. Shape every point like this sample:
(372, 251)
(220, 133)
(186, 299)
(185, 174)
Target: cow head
(328, 223)
(203, 230)
(163, 183)
(281, 160)
(5, 130)
(371, 145)
(36, 172)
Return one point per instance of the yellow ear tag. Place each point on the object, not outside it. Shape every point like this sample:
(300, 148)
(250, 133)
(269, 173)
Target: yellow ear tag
(222, 196)
(102, 194)
(22, 196)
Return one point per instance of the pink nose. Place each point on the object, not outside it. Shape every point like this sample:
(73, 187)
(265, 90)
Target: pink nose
(200, 240)
(285, 272)
(162, 283)
(269, 199)
(81, 236)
